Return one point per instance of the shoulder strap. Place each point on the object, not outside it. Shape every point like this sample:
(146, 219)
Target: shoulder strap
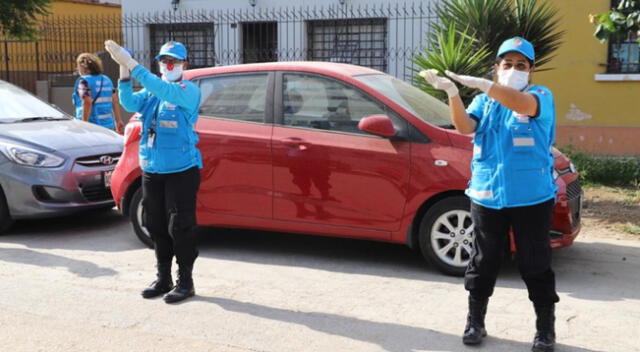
(93, 102)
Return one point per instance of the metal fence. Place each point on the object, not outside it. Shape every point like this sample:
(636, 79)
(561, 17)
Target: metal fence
(384, 37)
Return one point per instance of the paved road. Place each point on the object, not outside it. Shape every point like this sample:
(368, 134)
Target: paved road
(72, 284)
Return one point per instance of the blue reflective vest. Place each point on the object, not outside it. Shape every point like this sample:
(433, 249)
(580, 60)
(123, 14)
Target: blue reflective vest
(102, 96)
(169, 112)
(512, 161)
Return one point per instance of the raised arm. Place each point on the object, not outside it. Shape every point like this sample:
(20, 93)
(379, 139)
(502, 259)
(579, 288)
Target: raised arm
(178, 93)
(461, 120)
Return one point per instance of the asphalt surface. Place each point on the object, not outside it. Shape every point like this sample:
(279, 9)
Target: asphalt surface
(72, 284)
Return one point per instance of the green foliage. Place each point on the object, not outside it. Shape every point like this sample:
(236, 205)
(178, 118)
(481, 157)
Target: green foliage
(456, 52)
(611, 171)
(18, 17)
(468, 33)
(493, 21)
(616, 24)
(537, 22)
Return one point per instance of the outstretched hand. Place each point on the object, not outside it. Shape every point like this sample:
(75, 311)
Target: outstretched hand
(442, 83)
(472, 82)
(120, 55)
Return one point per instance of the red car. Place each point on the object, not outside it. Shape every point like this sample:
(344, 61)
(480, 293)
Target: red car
(336, 150)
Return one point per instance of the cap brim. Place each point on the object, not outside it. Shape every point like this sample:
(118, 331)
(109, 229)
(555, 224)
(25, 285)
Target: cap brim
(169, 54)
(516, 51)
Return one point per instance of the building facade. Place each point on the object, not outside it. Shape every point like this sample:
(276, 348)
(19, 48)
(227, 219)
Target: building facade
(379, 34)
(596, 86)
(72, 27)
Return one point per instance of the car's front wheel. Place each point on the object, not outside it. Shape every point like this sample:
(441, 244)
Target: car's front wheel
(446, 235)
(5, 217)
(136, 212)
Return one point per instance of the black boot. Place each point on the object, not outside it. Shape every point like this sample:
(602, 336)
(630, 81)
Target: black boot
(163, 283)
(545, 338)
(474, 332)
(184, 288)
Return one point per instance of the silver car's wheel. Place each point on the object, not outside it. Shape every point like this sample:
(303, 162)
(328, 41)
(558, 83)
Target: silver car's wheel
(5, 217)
(136, 214)
(446, 235)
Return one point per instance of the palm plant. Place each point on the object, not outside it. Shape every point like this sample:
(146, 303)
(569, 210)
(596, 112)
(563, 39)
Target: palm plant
(488, 23)
(456, 52)
(537, 22)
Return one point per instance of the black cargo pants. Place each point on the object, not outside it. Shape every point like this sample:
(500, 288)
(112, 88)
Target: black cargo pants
(169, 202)
(531, 225)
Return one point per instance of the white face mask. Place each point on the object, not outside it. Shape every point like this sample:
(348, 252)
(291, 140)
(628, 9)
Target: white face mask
(513, 78)
(171, 75)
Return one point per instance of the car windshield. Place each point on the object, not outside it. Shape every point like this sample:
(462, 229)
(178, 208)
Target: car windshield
(409, 97)
(17, 104)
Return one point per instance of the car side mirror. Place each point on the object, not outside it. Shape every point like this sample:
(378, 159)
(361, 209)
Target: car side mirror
(379, 125)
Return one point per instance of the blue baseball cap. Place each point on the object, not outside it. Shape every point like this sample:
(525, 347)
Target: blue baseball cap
(173, 49)
(518, 45)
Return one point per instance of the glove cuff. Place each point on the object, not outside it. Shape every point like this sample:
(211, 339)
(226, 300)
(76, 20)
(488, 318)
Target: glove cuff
(124, 72)
(486, 87)
(131, 64)
(452, 91)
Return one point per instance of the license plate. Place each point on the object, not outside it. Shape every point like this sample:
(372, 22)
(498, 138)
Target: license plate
(106, 177)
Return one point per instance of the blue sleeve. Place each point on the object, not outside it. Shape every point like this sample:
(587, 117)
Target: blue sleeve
(184, 94)
(130, 101)
(476, 108)
(546, 106)
(546, 113)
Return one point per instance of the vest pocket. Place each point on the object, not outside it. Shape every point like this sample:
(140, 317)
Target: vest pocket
(528, 182)
(522, 139)
(480, 186)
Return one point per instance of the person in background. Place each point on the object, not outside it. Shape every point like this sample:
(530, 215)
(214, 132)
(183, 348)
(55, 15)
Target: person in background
(512, 183)
(94, 96)
(170, 161)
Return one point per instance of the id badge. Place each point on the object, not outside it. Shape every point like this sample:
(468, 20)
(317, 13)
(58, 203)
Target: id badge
(151, 139)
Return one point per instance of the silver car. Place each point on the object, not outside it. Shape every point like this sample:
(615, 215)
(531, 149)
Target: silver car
(50, 163)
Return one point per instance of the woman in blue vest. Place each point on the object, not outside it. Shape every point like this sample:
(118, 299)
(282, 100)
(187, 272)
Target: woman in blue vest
(171, 163)
(94, 96)
(511, 185)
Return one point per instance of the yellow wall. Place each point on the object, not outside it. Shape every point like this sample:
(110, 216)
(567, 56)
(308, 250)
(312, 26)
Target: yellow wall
(64, 36)
(597, 117)
(70, 7)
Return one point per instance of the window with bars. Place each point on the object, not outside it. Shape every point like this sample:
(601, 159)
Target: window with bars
(197, 37)
(624, 56)
(361, 41)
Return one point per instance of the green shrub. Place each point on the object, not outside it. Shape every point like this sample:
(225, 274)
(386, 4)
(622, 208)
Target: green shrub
(611, 171)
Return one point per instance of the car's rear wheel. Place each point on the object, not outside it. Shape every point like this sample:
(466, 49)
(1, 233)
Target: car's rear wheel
(5, 217)
(136, 212)
(446, 235)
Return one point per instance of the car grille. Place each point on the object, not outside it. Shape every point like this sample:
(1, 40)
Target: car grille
(96, 193)
(574, 195)
(99, 160)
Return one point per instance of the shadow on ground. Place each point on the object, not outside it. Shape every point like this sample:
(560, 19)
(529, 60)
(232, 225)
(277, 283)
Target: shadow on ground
(81, 268)
(389, 336)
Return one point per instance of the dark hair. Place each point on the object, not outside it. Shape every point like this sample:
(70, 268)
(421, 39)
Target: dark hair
(90, 62)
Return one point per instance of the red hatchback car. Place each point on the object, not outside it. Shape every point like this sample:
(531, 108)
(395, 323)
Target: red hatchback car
(337, 150)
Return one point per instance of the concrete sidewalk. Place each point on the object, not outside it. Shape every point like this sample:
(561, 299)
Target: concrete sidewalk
(75, 287)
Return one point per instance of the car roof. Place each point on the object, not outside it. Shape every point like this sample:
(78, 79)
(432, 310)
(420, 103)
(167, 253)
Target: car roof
(308, 66)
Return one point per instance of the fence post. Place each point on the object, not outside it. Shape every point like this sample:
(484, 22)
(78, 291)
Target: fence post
(6, 60)
(37, 61)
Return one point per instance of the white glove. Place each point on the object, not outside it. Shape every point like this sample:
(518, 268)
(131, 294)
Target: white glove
(124, 73)
(442, 83)
(472, 82)
(119, 55)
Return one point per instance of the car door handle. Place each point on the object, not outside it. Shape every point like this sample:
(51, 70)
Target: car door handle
(295, 142)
